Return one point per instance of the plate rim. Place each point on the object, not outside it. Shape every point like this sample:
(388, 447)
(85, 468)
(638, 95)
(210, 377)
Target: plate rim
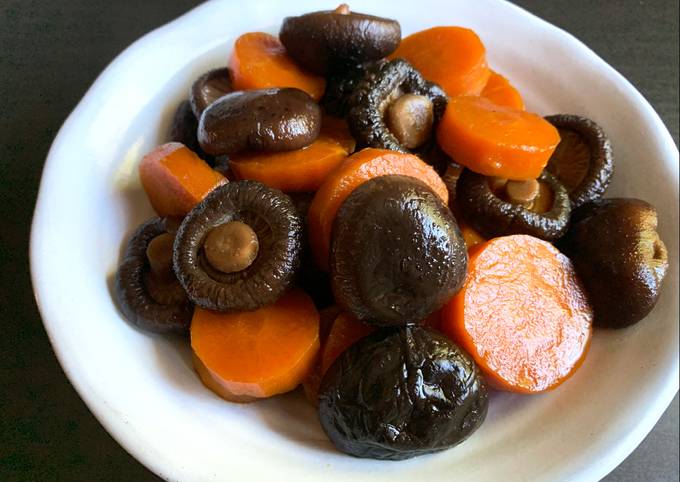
(609, 458)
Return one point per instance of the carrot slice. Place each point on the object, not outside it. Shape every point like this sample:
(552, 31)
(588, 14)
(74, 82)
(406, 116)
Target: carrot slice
(244, 356)
(494, 140)
(354, 171)
(176, 179)
(345, 330)
(522, 314)
(453, 57)
(500, 91)
(302, 170)
(260, 61)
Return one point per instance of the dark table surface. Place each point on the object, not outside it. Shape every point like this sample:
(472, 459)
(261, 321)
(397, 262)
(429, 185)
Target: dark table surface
(50, 52)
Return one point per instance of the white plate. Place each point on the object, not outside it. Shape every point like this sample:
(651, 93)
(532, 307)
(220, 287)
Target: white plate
(142, 388)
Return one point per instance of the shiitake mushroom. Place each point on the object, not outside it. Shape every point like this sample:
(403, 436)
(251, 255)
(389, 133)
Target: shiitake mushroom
(208, 88)
(400, 393)
(147, 290)
(397, 253)
(329, 40)
(395, 108)
(583, 160)
(619, 256)
(341, 83)
(259, 120)
(498, 207)
(239, 248)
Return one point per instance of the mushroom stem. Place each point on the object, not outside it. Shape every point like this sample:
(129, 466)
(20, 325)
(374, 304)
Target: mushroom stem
(522, 192)
(159, 255)
(342, 9)
(410, 118)
(231, 247)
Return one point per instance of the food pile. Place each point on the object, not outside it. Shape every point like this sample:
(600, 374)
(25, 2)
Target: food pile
(380, 220)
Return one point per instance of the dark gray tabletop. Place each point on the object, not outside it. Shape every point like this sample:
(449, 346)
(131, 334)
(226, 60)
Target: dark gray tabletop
(50, 52)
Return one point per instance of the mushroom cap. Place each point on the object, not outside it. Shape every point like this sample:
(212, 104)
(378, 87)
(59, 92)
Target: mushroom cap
(259, 120)
(493, 216)
(583, 159)
(208, 88)
(323, 41)
(273, 217)
(400, 393)
(134, 299)
(397, 253)
(619, 257)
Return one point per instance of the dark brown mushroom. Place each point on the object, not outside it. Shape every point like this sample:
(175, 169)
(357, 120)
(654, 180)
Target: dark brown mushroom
(619, 257)
(395, 108)
(583, 160)
(328, 40)
(208, 88)
(239, 248)
(397, 253)
(259, 120)
(148, 292)
(498, 207)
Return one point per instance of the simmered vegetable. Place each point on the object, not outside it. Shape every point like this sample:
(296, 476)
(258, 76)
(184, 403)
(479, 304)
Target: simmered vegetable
(260, 61)
(340, 86)
(395, 108)
(259, 120)
(354, 171)
(522, 314)
(148, 292)
(583, 159)
(239, 248)
(330, 40)
(302, 170)
(208, 88)
(495, 140)
(500, 91)
(620, 258)
(283, 338)
(175, 179)
(498, 207)
(397, 254)
(453, 57)
(400, 393)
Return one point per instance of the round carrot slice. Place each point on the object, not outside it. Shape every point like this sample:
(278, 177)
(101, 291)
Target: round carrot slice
(500, 91)
(494, 140)
(260, 61)
(243, 356)
(453, 57)
(522, 314)
(302, 170)
(354, 171)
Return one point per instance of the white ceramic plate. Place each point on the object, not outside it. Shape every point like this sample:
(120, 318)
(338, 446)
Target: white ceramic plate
(142, 388)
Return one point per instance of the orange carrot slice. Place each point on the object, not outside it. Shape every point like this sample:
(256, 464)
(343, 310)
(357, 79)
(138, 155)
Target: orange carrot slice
(522, 314)
(500, 91)
(260, 61)
(176, 179)
(354, 171)
(453, 57)
(244, 356)
(302, 170)
(345, 331)
(494, 140)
